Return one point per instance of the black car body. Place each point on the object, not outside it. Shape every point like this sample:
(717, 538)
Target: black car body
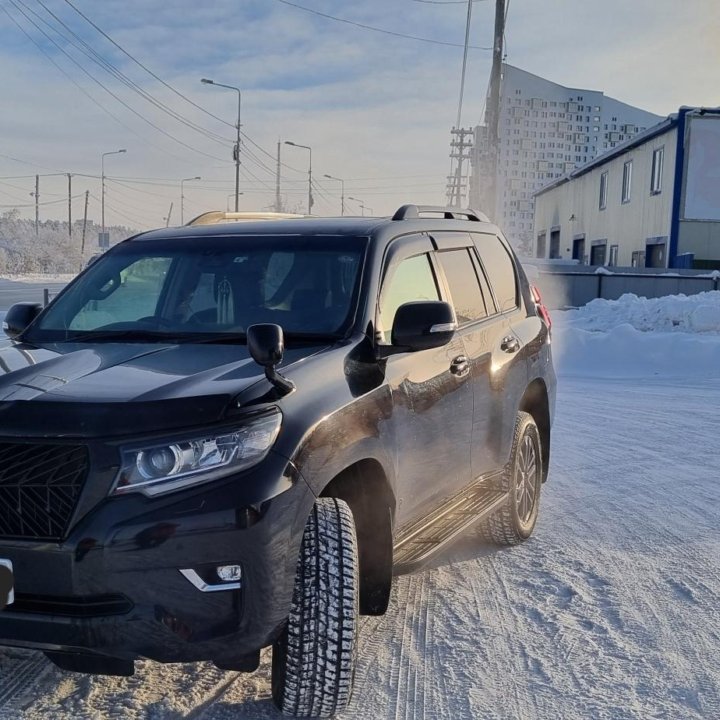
(108, 568)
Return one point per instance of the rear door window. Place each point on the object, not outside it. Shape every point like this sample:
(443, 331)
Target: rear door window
(463, 284)
(499, 269)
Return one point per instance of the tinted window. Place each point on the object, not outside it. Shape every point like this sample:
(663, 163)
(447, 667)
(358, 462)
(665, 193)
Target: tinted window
(217, 286)
(413, 279)
(133, 294)
(464, 287)
(499, 269)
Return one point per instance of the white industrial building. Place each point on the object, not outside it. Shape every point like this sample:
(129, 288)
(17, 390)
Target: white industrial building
(545, 131)
(652, 201)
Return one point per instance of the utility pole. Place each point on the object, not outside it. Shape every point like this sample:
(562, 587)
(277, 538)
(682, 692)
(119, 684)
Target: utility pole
(278, 204)
(82, 246)
(167, 219)
(460, 150)
(69, 205)
(236, 147)
(493, 109)
(37, 204)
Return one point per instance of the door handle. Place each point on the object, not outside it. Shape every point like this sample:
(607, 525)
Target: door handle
(460, 366)
(510, 344)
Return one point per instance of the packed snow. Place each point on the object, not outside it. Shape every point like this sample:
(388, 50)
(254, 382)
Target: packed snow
(673, 336)
(610, 611)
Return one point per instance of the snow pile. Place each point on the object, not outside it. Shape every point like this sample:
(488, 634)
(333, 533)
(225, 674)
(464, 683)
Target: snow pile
(673, 313)
(673, 336)
(38, 277)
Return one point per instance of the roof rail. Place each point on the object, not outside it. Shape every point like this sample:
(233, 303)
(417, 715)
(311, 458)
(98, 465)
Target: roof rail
(213, 217)
(409, 212)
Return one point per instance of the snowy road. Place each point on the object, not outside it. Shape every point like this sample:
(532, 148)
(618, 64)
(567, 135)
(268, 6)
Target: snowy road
(611, 610)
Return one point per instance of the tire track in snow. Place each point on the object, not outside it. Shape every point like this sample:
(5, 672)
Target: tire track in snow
(21, 670)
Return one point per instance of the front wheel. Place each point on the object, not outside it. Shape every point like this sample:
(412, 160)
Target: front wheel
(313, 660)
(514, 522)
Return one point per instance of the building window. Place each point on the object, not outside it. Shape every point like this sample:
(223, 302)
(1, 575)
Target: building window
(638, 259)
(597, 252)
(554, 244)
(657, 170)
(540, 252)
(627, 181)
(603, 190)
(612, 261)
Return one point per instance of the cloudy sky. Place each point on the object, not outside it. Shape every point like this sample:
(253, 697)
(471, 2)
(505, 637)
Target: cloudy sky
(375, 107)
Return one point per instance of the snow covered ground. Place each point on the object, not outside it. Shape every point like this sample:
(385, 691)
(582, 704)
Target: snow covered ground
(610, 611)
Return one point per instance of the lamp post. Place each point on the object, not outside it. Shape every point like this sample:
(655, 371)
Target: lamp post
(236, 149)
(342, 192)
(310, 197)
(227, 201)
(102, 177)
(361, 204)
(182, 197)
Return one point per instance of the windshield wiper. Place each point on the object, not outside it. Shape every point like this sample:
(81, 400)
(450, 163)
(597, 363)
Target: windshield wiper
(150, 336)
(311, 337)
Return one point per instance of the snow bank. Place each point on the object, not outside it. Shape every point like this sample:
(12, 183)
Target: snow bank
(673, 336)
(38, 277)
(672, 313)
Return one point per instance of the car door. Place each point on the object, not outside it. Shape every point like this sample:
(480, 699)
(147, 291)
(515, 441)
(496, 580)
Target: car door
(432, 401)
(495, 347)
(491, 347)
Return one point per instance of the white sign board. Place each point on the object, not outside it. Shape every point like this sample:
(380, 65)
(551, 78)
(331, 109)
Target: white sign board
(702, 184)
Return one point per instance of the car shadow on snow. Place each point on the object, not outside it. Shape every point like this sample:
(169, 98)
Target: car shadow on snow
(467, 547)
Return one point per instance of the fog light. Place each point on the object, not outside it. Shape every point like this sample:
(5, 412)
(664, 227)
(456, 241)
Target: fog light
(229, 573)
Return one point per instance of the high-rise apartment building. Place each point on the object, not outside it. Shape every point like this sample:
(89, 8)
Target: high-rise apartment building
(545, 131)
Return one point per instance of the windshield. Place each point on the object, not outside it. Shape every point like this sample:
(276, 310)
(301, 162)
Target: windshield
(209, 288)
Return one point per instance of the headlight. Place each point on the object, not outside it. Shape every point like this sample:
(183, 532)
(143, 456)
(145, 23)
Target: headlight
(159, 468)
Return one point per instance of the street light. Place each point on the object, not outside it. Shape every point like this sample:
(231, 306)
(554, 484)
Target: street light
(342, 191)
(236, 149)
(182, 197)
(102, 176)
(362, 205)
(227, 201)
(310, 197)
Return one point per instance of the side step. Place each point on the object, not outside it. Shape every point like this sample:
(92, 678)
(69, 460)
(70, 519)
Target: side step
(420, 541)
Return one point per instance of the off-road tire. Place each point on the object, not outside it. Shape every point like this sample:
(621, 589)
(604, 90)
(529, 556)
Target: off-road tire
(313, 661)
(508, 525)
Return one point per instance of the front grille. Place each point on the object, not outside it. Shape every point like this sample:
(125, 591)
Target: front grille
(39, 488)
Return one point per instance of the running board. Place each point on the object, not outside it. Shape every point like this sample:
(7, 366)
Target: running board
(420, 541)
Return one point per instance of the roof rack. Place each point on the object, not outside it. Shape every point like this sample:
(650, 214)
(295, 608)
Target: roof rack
(409, 212)
(214, 217)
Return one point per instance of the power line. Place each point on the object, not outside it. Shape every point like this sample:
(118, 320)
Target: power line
(14, 3)
(376, 29)
(47, 202)
(94, 56)
(145, 68)
(82, 90)
(135, 221)
(168, 85)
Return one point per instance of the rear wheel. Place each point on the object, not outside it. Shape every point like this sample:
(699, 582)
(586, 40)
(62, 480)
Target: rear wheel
(514, 522)
(313, 660)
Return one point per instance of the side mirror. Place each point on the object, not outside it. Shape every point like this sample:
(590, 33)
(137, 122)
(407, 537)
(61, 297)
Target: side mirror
(266, 346)
(19, 317)
(423, 325)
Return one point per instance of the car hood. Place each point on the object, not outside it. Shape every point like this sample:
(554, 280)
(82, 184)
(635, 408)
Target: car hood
(110, 388)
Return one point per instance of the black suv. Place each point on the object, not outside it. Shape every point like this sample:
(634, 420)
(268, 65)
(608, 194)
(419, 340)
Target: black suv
(219, 438)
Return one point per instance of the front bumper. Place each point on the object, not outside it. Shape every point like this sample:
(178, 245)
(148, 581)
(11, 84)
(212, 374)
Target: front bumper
(114, 586)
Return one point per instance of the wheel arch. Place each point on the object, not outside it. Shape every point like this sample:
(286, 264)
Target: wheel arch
(366, 488)
(535, 401)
